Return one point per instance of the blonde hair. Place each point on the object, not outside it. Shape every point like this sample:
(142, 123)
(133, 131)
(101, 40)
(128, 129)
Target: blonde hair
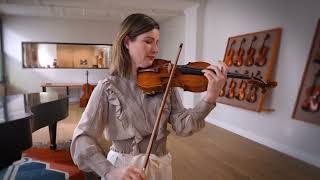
(131, 27)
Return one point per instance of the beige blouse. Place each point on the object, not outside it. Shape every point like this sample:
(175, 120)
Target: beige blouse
(120, 111)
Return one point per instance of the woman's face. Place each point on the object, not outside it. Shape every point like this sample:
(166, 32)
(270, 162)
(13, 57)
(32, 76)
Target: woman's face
(144, 48)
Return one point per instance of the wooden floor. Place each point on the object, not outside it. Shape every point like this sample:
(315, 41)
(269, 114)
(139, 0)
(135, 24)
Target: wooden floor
(213, 154)
(217, 154)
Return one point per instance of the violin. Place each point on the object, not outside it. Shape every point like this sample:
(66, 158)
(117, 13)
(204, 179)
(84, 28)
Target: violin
(253, 93)
(230, 54)
(223, 90)
(312, 102)
(231, 90)
(263, 51)
(240, 53)
(189, 77)
(252, 96)
(251, 52)
(241, 95)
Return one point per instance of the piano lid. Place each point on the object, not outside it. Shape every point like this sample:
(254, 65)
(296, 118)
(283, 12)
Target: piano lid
(22, 114)
(13, 108)
(19, 106)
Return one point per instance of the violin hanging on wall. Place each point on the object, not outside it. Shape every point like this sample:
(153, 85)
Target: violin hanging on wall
(263, 52)
(312, 103)
(231, 90)
(241, 94)
(250, 53)
(223, 90)
(253, 93)
(240, 53)
(229, 58)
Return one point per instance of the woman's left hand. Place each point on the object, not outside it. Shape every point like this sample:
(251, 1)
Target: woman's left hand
(216, 80)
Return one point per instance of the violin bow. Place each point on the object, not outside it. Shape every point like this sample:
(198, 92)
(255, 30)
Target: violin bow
(156, 125)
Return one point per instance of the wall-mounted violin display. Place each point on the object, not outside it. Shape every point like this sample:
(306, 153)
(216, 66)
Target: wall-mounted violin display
(307, 107)
(253, 54)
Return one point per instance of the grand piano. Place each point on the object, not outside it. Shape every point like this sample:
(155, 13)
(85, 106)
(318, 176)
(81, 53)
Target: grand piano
(21, 115)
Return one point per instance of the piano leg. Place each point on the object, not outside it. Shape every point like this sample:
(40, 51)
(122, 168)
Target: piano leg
(53, 133)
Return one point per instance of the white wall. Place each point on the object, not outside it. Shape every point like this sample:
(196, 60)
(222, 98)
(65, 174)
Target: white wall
(226, 18)
(171, 35)
(18, 29)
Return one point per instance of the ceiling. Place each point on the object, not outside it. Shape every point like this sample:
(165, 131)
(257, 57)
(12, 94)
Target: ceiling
(101, 10)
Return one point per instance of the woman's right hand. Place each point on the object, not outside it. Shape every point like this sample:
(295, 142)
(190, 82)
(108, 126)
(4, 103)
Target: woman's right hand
(126, 173)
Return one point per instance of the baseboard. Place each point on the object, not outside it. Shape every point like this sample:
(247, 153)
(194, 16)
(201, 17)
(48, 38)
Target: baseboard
(308, 158)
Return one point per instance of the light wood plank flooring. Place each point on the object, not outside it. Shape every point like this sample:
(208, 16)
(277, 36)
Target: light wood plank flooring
(213, 154)
(217, 154)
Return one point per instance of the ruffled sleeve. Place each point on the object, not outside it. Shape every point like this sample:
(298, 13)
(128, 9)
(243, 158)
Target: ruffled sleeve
(119, 127)
(187, 121)
(85, 151)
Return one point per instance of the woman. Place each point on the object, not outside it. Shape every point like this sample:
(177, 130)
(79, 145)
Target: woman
(126, 116)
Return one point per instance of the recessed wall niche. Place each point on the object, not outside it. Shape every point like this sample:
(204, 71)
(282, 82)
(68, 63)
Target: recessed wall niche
(65, 55)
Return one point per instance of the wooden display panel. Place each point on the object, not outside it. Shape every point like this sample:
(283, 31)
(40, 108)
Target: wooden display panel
(307, 106)
(253, 54)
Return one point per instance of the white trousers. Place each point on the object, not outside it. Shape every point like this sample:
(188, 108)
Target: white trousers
(159, 168)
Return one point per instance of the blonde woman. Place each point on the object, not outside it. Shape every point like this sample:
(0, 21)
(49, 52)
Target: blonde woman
(121, 112)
